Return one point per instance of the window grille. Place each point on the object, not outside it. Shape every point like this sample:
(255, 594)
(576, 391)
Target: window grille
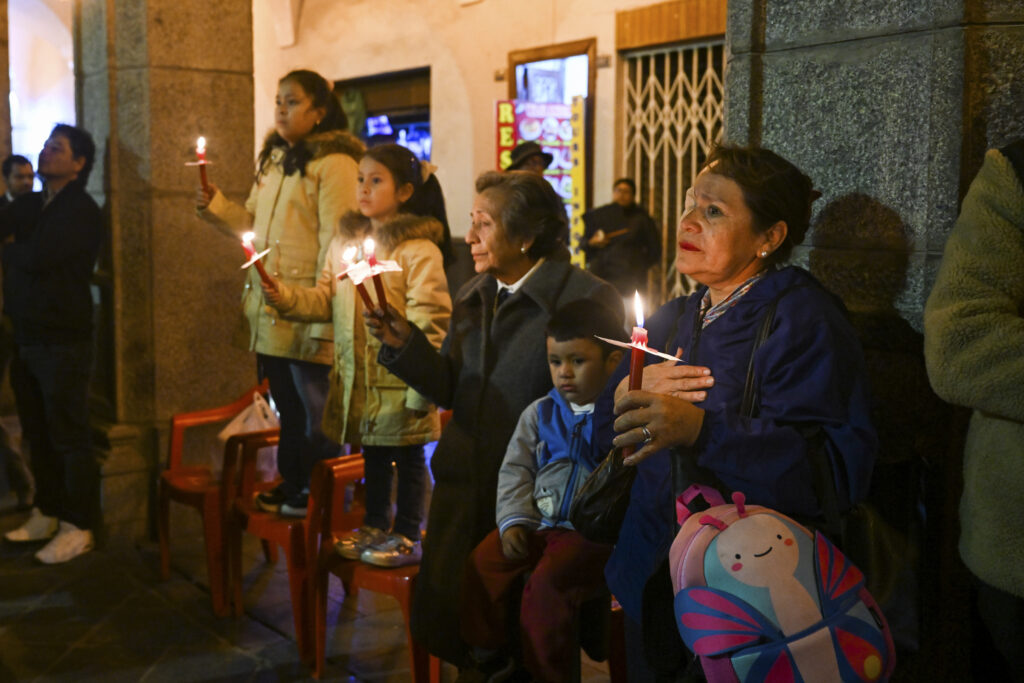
(672, 115)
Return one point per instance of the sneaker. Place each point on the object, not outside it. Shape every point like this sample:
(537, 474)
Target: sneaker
(39, 527)
(296, 506)
(351, 547)
(270, 501)
(69, 543)
(394, 551)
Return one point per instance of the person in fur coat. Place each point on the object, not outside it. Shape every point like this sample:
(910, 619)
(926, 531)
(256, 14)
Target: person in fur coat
(305, 181)
(974, 350)
(366, 403)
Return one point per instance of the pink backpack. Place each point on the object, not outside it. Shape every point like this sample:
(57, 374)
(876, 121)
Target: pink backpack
(759, 597)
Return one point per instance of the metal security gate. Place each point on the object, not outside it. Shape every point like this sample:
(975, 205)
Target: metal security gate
(672, 115)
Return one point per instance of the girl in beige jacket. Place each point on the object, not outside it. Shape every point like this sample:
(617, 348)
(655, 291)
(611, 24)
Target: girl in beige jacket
(367, 404)
(305, 181)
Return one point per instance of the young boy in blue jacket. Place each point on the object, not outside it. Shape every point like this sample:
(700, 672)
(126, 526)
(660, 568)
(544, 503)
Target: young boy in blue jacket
(550, 455)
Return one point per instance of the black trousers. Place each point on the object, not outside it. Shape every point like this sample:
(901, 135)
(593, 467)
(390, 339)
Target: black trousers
(51, 389)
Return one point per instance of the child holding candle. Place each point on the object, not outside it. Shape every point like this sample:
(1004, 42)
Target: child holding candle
(366, 403)
(305, 181)
(554, 448)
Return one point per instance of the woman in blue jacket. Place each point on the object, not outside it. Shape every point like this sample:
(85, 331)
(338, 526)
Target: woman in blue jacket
(690, 423)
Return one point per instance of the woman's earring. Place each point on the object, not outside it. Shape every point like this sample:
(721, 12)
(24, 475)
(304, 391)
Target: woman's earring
(764, 253)
(522, 249)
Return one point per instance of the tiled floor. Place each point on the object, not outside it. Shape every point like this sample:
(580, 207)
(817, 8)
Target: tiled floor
(107, 617)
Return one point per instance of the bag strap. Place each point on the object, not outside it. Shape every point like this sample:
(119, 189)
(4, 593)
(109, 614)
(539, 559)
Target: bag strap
(1015, 153)
(750, 403)
(748, 408)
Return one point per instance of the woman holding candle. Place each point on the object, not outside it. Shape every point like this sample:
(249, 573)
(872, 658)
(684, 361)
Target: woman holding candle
(749, 207)
(491, 366)
(366, 403)
(305, 181)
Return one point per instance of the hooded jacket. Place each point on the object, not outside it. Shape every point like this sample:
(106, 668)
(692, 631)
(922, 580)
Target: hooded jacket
(974, 350)
(366, 403)
(549, 456)
(295, 217)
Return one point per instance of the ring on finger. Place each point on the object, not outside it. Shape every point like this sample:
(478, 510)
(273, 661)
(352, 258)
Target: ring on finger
(647, 433)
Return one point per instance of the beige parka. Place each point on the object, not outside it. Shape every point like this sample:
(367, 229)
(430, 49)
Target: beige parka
(295, 217)
(366, 403)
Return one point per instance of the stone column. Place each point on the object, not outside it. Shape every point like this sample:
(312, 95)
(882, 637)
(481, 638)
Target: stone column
(889, 107)
(152, 76)
(5, 89)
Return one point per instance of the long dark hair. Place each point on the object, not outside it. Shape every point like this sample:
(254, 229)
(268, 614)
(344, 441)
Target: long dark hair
(319, 90)
(427, 198)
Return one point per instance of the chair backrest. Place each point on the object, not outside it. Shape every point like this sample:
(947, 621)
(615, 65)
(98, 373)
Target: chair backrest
(327, 501)
(238, 479)
(182, 421)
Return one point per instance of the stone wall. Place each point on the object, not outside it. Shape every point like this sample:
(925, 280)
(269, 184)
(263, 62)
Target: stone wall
(889, 108)
(152, 77)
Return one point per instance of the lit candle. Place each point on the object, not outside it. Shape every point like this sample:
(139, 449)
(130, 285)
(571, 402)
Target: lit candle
(201, 161)
(247, 239)
(347, 258)
(636, 358)
(368, 250)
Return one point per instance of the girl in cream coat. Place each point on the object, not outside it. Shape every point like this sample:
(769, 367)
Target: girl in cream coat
(367, 404)
(305, 180)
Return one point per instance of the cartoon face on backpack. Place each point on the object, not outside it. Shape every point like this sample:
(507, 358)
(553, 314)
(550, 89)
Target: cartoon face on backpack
(737, 549)
(761, 597)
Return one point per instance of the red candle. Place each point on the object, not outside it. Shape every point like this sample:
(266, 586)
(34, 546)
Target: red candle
(201, 161)
(368, 250)
(251, 252)
(636, 358)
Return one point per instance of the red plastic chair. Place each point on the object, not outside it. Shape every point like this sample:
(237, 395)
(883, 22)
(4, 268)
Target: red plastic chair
(291, 533)
(331, 479)
(195, 486)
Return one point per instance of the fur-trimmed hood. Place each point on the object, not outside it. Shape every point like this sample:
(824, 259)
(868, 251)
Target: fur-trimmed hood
(354, 226)
(322, 144)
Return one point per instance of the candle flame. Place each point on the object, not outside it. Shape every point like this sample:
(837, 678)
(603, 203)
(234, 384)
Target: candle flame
(201, 145)
(348, 255)
(638, 307)
(247, 237)
(369, 247)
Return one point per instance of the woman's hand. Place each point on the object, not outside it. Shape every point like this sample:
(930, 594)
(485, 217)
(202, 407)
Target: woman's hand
(271, 292)
(668, 421)
(204, 195)
(515, 542)
(688, 382)
(390, 328)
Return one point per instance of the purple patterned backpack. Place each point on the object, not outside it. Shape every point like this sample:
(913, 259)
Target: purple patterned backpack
(759, 597)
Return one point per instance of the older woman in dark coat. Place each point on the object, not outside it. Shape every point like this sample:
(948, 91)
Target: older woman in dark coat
(492, 364)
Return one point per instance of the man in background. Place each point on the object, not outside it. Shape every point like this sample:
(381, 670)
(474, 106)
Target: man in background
(18, 178)
(48, 272)
(529, 156)
(621, 241)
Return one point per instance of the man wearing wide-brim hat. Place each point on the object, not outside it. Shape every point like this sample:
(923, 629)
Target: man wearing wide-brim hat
(528, 156)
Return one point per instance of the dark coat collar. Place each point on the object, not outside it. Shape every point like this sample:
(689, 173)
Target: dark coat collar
(543, 287)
